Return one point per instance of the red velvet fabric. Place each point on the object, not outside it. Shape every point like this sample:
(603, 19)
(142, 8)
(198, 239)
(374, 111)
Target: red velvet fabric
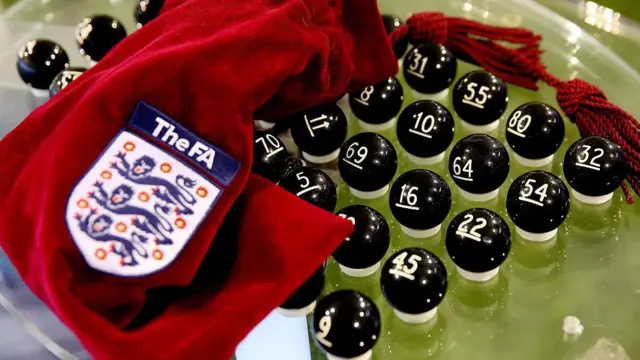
(212, 65)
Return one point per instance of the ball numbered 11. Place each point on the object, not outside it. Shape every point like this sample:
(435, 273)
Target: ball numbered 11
(480, 98)
(319, 132)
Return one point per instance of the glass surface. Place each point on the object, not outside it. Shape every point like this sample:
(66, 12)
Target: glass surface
(589, 271)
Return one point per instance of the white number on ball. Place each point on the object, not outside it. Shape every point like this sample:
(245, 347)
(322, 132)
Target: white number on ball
(271, 145)
(401, 269)
(472, 234)
(458, 170)
(518, 125)
(325, 326)
(419, 62)
(361, 153)
(407, 193)
(585, 155)
(476, 99)
(305, 185)
(350, 218)
(529, 189)
(423, 125)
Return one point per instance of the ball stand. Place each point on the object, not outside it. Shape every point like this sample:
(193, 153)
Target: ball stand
(343, 103)
(365, 356)
(377, 127)
(360, 272)
(533, 163)
(439, 96)
(39, 93)
(417, 318)
(479, 197)
(593, 200)
(368, 195)
(480, 128)
(321, 159)
(426, 160)
(546, 236)
(263, 125)
(291, 313)
(421, 234)
(92, 63)
(479, 277)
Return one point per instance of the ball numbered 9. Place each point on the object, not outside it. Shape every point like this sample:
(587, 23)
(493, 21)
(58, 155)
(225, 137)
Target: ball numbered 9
(346, 325)
(319, 132)
(594, 168)
(479, 165)
(480, 98)
(429, 69)
(420, 200)
(478, 242)
(269, 155)
(376, 106)
(538, 203)
(425, 130)
(535, 132)
(311, 185)
(367, 163)
(414, 282)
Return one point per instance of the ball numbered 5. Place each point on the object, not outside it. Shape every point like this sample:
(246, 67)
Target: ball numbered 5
(479, 165)
(425, 130)
(311, 185)
(367, 163)
(429, 69)
(478, 241)
(479, 99)
(538, 202)
(269, 155)
(535, 132)
(319, 132)
(420, 200)
(376, 106)
(594, 168)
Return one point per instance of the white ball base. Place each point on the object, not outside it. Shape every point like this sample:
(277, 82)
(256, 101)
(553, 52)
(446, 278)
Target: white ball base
(593, 200)
(39, 93)
(480, 128)
(533, 163)
(368, 195)
(479, 197)
(377, 127)
(323, 159)
(546, 236)
(421, 234)
(426, 160)
(365, 356)
(482, 276)
(571, 325)
(92, 63)
(297, 312)
(439, 96)
(263, 125)
(360, 272)
(416, 318)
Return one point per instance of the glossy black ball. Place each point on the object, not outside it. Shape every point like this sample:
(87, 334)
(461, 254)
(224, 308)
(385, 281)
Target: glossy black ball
(535, 130)
(369, 241)
(367, 161)
(538, 201)
(98, 34)
(64, 78)
(479, 163)
(478, 240)
(147, 10)
(425, 128)
(313, 186)
(39, 61)
(391, 23)
(319, 130)
(429, 68)
(420, 199)
(269, 155)
(413, 280)
(346, 323)
(480, 98)
(307, 293)
(378, 103)
(594, 166)
(290, 165)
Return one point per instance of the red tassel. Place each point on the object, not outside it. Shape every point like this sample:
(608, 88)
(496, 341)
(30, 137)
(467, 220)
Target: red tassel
(584, 104)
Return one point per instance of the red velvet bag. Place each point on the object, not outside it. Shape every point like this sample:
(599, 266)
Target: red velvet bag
(113, 191)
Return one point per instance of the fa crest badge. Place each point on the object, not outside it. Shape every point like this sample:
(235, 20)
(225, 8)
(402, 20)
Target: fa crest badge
(138, 205)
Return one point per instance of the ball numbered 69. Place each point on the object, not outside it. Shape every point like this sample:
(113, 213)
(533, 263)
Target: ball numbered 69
(480, 98)
(311, 185)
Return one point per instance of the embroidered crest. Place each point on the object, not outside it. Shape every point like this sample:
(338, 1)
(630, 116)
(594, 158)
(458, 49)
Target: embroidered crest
(137, 207)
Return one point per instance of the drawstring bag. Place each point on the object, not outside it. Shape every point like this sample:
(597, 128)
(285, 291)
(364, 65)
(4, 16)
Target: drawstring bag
(129, 206)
